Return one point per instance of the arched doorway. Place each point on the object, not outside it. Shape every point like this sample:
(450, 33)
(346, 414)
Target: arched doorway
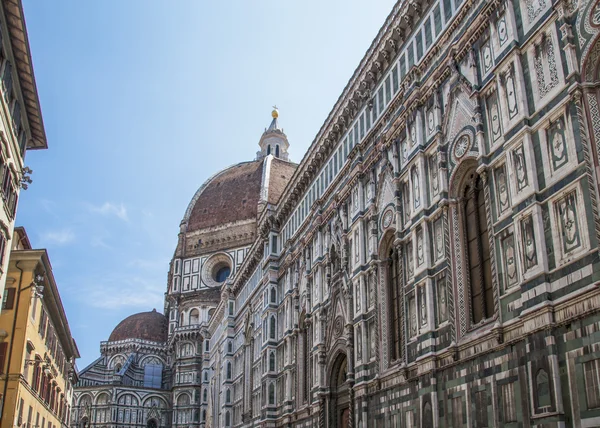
(340, 394)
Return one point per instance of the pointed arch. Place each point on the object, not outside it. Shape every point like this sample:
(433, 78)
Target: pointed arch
(473, 258)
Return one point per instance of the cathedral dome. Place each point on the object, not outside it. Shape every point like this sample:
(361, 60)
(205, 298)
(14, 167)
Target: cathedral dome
(233, 194)
(229, 196)
(145, 325)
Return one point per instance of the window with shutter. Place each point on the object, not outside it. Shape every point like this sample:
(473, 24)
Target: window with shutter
(3, 350)
(9, 298)
(7, 81)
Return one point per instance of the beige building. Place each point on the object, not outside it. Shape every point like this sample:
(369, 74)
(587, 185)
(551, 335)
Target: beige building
(37, 352)
(21, 125)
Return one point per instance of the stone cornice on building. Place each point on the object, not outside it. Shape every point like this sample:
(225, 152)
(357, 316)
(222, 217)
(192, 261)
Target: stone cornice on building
(13, 11)
(132, 345)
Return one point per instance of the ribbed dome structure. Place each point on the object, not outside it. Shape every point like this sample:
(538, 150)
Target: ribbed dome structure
(145, 325)
(232, 195)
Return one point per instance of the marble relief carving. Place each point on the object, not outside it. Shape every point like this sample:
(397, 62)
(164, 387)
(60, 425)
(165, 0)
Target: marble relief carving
(434, 168)
(520, 167)
(544, 61)
(510, 263)
(511, 93)
(534, 8)
(494, 116)
(438, 233)
(409, 261)
(487, 57)
(502, 189)
(528, 243)
(557, 143)
(442, 300)
(420, 247)
(502, 30)
(412, 316)
(416, 188)
(569, 227)
(422, 296)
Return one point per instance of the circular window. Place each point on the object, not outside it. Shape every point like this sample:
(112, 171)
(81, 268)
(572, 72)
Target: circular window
(222, 274)
(216, 270)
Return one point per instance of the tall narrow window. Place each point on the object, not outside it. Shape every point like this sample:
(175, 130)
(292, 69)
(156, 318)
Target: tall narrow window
(268, 149)
(395, 305)
(478, 251)
(272, 361)
(272, 327)
(277, 150)
(592, 384)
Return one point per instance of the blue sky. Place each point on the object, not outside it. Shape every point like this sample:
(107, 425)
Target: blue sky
(142, 101)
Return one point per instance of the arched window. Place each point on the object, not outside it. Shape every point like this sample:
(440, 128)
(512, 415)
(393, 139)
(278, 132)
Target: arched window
(269, 149)
(272, 327)
(273, 295)
(203, 415)
(197, 396)
(206, 345)
(477, 250)
(204, 396)
(395, 305)
(227, 419)
(229, 347)
(272, 361)
(277, 150)
(228, 396)
(205, 376)
(228, 370)
(194, 317)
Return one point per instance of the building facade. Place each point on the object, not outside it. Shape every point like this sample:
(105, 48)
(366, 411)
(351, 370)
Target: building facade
(37, 353)
(433, 259)
(21, 124)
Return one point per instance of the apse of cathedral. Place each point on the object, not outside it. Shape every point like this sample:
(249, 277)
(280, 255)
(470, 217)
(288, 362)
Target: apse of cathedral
(431, 262)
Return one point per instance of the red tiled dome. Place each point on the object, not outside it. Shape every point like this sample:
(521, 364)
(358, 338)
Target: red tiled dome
(145, 325)
(232, 195)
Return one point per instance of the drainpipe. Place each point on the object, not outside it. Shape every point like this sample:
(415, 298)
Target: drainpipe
(12, 339)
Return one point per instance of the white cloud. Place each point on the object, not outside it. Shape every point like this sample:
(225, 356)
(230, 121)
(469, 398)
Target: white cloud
(57, 237)
(108, 208)
(132, 292)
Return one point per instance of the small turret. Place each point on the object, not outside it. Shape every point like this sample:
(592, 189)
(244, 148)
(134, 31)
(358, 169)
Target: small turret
(273, 141)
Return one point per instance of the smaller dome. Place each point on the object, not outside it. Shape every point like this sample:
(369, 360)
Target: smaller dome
(145, 326)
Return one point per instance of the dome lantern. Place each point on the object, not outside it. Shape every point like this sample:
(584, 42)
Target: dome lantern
(273, 141)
